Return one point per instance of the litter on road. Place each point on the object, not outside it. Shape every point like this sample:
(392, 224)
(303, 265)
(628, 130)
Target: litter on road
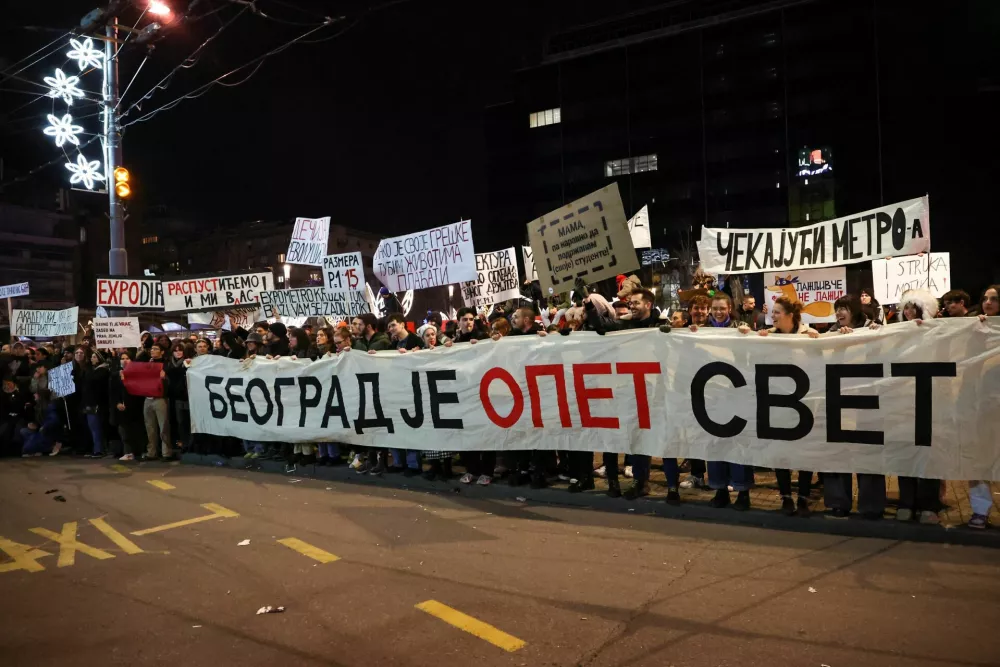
(243, 543)
(270, 610)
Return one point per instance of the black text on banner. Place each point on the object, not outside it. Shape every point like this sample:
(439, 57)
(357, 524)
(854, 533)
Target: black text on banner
(313, 302)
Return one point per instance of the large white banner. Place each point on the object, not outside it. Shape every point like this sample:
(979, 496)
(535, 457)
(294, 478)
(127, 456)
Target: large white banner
(430, 258)
(142, 293)
(496, 281)
(897, 229)
(215, 292)
(113, 332)
(310, 237)
(11, 291)
(44, 323)
(902, 400)
(313, 302)
(638, 228)
(817, 290)
(893, 276)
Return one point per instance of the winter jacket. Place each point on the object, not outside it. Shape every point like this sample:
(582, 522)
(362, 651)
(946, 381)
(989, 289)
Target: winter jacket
(604, 324)
(93, 387)
(176, 379)
(278, 348)
(732, 323)
(475, 334)
(755, 319)
(132, 414)
(411, 342)
(16, 405)
(803, 329)
(379, 341)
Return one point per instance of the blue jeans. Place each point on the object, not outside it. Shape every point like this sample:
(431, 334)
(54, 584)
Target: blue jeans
(329, 450)
(721, 474)
(257, 447)
(96, 426)
(405, 458)
(640, 470)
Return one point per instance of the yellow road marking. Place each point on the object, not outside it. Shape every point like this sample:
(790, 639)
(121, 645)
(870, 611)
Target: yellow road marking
(217, 512)
(68, 545)
(309, 550)
(160, 484)
(25, 557)
(118, 467)
(125, 544)
(471, 625)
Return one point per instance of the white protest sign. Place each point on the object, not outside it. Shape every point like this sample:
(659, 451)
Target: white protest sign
(892, 277)
(343, 273)
(215, 292)
(529, 263)
(430, 258)
(587, 239)
(497, 279)
(897, 229)
(638, 228)
(309, 241)
(142, 293)
(44, 323)
(112, 332)
(313, 302)
(883, 402)
(61, 380)
(816, 289)
(229, 319)
(15, 290)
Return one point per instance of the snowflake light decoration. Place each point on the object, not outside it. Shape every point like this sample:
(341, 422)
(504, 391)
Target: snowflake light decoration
(85, 54)
(63, 130)
(63, 86)
(85, 171)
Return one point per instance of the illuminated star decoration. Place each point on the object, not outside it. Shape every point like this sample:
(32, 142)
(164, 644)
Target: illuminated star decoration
(85, 54)
(63, 130)
(63, 86)
(85, 171)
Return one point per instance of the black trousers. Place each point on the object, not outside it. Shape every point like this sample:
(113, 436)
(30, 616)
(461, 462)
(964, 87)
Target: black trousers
(479, 463)
(785, 482)
(920, 495)
(698, 468)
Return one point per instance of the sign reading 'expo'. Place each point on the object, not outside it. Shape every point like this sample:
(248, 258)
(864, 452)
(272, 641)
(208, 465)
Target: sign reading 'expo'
(130, 293)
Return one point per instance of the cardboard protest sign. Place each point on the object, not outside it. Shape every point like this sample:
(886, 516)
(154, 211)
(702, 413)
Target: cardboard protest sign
(15, 290)
(44, 323)
(141, 293)
(229, 319)
(313, 302)
(142, 378)
(430, 258)
(529, 263)
(61, 380)
(817, 290)
(638, 228)
(892, 277)
(343, 273)
(309, 241)
(587, 239)
(112, 332)
(214, 292)
(897, 229)
(497, 279)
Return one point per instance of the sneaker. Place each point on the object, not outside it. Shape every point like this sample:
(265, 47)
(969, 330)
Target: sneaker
(128, 457)
(787, 506)
(378, 470)
(484, 480)
(929, 518)
(364, 468)
(904, 514)
(601, 472)
(838, 513)
(56, 449)
(692, 482)
(466, 478)
(614, 490)
(254, 455)
(742, 503)
(636, 489)
(673, 497)
(290, 468)
(248, 455)
(147, 457)
(577, 486)
(628, 472)
(720, 499)
(802, 508)
(978, 522)
(356, 463)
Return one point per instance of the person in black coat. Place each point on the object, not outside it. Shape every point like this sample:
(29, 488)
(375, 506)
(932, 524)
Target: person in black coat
(125, 410)
(92, 386)
(177, 393)
(278, 337)
(16, 410)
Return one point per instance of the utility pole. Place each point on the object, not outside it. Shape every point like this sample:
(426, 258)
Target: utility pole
(117, 255)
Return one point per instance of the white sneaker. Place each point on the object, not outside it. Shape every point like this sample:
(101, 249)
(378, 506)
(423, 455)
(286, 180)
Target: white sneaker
(128, 457)
(466, 478)
(356, 463)
(55, 449)
(601, 472)
(929, 518)
(692, 482)
(484, 480)
(628, 472)
(563, 478)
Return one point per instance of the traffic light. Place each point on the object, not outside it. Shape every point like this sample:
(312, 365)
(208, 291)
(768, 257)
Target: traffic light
(122, 188)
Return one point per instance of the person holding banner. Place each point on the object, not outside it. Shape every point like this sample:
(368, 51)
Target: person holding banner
(155, 413)
(177, 394)
(980, 495)
(850, 314)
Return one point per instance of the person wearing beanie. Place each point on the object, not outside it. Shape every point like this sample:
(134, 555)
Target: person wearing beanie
(390, 304)
(278, 340)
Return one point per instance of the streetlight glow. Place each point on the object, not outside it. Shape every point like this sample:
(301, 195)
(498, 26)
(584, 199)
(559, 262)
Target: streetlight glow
(157, 8)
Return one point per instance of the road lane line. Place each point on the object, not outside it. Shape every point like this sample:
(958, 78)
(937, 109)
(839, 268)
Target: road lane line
(217, 512)
(471, 625)
(309, 550)
(69, 545)
(25, 557)
(123, 543)
(118, 467)
(160, 484)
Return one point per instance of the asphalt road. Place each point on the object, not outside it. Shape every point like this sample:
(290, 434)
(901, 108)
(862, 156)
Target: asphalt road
(119, 574)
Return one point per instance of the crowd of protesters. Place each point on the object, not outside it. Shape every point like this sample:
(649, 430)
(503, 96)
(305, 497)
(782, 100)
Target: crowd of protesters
(102, 418)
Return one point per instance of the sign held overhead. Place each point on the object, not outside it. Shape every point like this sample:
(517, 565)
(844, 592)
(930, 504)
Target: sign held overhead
(44, 323)
(15, 290)
(142, 293)
(313, 302)
(893, 276)
(497, 279)
(309, 241)
(343, 273)
(430, 258)
(112, 332)
(214, 292)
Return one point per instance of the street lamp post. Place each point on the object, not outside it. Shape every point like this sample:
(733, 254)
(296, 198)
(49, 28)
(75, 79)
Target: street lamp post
(117, 255)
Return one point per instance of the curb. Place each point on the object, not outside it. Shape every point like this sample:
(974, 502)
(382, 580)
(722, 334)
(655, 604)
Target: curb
(854, 526)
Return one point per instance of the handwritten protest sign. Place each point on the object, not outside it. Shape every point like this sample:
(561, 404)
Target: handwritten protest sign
(817, 290)
(496, 281)
(430, 258)
(587, 239)
(15, 290)
(214, 292)
(638, 228)
(529, 263)
(44, 323)
(112, 332)
(343, 273)
(313, 302)
(309, 241)
(115, 292)
(61, 380)
(894, 276)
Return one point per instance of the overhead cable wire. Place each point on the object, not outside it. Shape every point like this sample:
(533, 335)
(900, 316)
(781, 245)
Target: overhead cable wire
(46, 165)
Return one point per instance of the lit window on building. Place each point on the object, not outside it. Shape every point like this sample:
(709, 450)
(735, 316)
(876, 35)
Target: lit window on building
(281, 280)
(635, 165)
(314, 276)
(281, 258)
(146, 240)
(543, 118)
